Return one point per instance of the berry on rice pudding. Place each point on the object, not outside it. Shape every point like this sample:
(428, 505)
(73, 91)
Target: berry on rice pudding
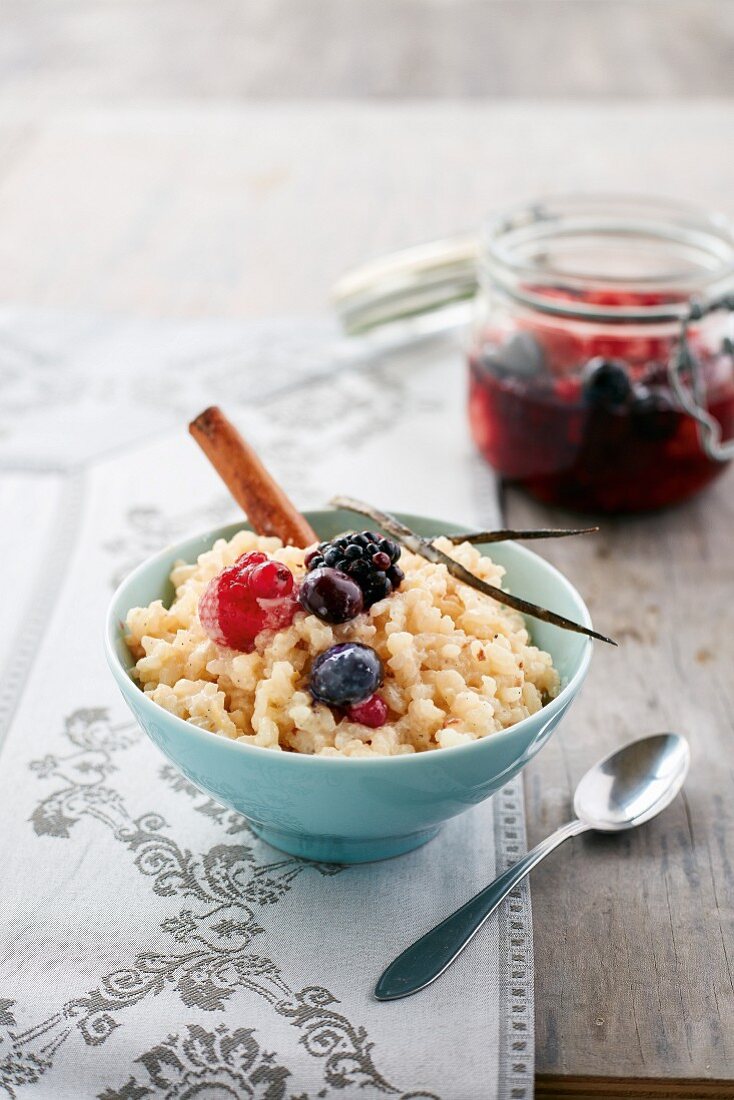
(587, 419)
(348, 648)
(601, 323)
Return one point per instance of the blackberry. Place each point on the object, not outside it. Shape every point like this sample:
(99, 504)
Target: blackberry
(367, 557)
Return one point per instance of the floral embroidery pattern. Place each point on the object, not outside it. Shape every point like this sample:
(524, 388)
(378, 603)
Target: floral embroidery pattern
(230, 820)
(212, 932)
(229, 1063)
(31, 379)
(206, 955)
(194, 364)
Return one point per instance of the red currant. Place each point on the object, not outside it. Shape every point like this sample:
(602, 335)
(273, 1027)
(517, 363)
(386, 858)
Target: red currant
(271, 579)
(370, 712)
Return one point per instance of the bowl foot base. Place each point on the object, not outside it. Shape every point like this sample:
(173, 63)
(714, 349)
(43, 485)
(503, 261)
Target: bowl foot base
(335, 849)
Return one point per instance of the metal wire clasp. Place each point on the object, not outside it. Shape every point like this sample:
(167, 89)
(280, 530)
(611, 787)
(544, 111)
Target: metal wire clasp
(692, 398)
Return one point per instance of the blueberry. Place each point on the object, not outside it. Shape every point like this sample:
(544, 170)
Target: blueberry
(332, 596)
(606, 383)
(654, 415)
(345, 674)
(521, 357)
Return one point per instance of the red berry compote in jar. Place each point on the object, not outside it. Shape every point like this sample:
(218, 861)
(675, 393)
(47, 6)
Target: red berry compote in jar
(579, 316)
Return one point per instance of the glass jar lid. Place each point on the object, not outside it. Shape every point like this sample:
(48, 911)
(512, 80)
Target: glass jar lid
(406, 286)
(609, 258)
(576, 242)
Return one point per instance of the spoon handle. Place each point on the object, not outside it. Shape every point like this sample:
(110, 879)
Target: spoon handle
(426, 959)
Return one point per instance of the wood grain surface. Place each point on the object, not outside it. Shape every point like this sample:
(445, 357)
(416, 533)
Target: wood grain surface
(282, 49)
(634, 935)
(631, 1088)
(231, 210)
(192, 210)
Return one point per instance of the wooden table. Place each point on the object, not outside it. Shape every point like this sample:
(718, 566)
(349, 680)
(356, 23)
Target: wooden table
(633, 935)
(226, 210)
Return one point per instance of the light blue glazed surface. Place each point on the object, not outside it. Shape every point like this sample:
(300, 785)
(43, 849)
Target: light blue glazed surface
(352, 810)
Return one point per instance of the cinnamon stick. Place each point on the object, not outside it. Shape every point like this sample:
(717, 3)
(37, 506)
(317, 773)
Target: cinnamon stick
(266, 505)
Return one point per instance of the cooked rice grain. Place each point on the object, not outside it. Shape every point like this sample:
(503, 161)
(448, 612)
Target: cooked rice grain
(458, 665)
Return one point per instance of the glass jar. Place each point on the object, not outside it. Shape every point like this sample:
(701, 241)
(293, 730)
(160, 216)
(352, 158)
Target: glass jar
(601, 354)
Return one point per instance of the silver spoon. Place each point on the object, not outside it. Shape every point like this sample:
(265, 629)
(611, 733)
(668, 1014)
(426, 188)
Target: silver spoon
(623, 790)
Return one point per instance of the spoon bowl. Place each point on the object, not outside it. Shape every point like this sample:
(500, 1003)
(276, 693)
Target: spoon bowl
(633, 784)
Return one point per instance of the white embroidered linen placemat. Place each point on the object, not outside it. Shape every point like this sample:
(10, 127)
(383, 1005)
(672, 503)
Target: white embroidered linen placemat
(150, 944)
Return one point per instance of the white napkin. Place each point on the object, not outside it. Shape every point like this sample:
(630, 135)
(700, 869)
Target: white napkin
(150, 945)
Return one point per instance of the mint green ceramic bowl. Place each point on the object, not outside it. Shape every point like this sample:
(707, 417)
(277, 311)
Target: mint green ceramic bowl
(353, 810)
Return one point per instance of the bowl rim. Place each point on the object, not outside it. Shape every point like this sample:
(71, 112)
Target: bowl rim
(125, 681)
